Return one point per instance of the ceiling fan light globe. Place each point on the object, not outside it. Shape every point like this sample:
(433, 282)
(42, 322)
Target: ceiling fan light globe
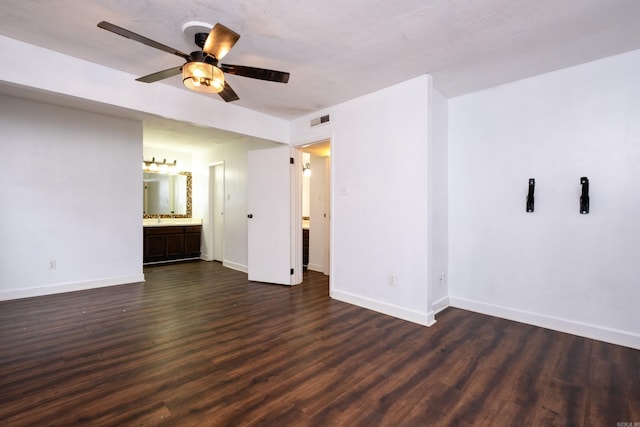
(202, 77)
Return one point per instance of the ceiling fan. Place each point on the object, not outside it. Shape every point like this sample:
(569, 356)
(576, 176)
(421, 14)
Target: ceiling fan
(202, 72)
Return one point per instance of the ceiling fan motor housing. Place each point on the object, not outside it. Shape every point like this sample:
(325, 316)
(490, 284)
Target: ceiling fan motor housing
(199, 56)
(200, 38)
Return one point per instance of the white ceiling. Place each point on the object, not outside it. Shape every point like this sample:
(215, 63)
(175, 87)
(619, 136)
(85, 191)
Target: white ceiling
(337, 50)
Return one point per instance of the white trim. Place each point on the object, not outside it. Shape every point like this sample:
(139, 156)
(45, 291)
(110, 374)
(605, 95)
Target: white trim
(235, 266)
(421, 318)
(440, 304)
(613, 336)
(59, 288)
(316, 267)
(295, 218)
(212, 180)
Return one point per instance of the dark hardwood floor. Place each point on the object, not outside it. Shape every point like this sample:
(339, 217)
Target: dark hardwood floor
(198, 344)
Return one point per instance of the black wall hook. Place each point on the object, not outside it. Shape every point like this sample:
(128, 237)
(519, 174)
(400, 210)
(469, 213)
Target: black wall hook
(532, 187)
(584, 198)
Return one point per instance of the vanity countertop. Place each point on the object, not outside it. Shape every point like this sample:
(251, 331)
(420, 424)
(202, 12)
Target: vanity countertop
(167, 222)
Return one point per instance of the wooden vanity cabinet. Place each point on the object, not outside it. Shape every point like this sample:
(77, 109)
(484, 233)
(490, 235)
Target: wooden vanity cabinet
(192, 241)
(171, 243)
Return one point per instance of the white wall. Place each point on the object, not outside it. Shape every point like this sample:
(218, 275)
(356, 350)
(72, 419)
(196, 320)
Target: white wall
(438, 202)
(379, 198)
(71, 194)
(554, 267)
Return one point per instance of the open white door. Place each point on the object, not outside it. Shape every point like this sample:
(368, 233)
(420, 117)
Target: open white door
(269, 215)
(318, 213)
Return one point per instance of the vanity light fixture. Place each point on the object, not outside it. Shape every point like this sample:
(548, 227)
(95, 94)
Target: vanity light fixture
(162, 167)
(306, 169)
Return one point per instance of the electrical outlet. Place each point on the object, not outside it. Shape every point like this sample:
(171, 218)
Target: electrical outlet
(52, 264)
(393, 280)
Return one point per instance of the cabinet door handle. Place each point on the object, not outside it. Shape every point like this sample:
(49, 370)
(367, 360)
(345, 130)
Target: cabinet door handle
(250, 216)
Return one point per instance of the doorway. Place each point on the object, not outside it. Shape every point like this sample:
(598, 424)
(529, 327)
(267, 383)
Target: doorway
(316, 205)
(216, 210)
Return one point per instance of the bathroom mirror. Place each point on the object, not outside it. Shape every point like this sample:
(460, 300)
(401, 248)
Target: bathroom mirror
(166, 195)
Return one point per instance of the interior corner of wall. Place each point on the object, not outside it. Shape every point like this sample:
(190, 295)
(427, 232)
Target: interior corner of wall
(440, 304)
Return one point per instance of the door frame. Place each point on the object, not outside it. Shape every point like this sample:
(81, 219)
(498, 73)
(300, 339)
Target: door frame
(296, 224)
(296, 215)
(212, 184)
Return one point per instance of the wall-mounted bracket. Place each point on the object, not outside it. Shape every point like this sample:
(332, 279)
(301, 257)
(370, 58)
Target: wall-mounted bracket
(532, 188)
(584, 197)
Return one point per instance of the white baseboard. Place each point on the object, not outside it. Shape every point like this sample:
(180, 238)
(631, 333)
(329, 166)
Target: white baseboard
(207, 258)
(235, 266)
(613, 336)
(421, 318)
(440, 304)
(59, 288)
(316, 267)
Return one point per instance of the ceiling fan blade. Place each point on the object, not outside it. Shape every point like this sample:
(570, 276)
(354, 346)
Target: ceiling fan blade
(228, 94)
(142, 39)
(220, 41)
(160, 75)
(256, 73)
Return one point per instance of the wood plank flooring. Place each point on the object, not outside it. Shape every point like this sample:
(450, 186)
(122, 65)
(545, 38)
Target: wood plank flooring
(199, 345)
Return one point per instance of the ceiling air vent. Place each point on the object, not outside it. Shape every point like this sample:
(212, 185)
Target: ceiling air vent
(320, 120)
